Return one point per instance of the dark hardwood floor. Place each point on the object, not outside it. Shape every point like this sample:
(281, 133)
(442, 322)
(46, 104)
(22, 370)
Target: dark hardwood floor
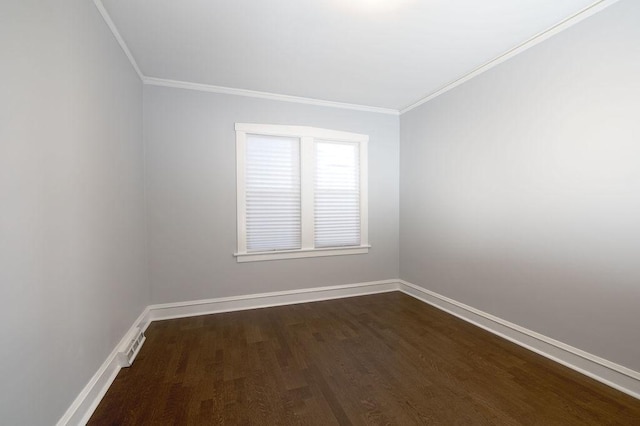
(379, 359)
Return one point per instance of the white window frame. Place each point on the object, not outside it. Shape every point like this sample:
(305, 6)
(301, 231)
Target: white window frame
(307, 136)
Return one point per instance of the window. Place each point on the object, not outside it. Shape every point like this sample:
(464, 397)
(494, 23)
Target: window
(302, 192)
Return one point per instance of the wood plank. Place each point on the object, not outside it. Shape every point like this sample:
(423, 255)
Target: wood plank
(378, 359)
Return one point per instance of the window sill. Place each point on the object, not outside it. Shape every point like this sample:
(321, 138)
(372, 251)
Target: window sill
(297, 254)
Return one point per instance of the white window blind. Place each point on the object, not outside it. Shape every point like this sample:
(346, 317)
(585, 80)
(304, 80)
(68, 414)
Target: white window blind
(272, 170)
(337, 194)
(302, 192)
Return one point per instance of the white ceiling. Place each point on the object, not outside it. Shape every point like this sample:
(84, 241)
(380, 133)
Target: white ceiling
(382, 53)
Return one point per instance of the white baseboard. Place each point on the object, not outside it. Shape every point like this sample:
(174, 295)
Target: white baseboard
(600, 369)
(87, 401)
(265, 300)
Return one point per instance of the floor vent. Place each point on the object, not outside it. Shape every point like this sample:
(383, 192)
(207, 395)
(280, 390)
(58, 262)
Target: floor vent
(130, 350)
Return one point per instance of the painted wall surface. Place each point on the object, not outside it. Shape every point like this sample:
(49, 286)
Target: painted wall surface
(72, 246)
(191, 195)
(520, 189)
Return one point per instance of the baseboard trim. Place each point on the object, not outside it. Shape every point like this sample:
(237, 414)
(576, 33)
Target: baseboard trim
(600, 369)
(265, 300)
(88, 399)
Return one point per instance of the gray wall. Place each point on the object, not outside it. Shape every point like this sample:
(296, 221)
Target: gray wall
(72, 247)
(191, 195)
(520, 189)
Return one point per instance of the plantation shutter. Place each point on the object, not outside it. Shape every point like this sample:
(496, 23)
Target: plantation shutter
(272, 193)
(337, 194)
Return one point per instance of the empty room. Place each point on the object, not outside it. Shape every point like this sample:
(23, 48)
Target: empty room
(320, 212)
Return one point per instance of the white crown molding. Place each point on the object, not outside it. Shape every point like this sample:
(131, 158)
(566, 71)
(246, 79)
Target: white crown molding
(561, 26)
(611, 374)
(264, 95)
(153, 81)
(600, 369)
(541, 36)
(88, 399)
(119, 39)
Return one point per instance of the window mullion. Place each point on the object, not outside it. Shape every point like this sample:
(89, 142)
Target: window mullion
(307, 171)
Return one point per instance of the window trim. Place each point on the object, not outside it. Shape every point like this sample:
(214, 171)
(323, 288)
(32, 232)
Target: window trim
(307, 136)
